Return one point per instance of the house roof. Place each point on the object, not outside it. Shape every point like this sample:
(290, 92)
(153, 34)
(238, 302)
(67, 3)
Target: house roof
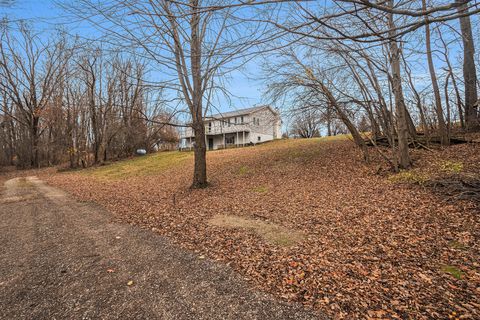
(239, 112)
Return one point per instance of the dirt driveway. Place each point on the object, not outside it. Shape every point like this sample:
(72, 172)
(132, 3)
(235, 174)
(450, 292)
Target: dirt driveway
(61, 259)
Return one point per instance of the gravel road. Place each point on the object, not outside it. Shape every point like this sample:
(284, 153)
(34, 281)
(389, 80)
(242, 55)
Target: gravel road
(62, 259)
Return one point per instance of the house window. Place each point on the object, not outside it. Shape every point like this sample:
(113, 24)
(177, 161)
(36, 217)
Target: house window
(258, 122)
(230, 140)
(229, 122)
(241, 119)
(209, 127)
(236, 120)
(259, 138)
(254, 120)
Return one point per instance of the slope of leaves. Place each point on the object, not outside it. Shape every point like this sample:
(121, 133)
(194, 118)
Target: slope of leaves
(372, 248)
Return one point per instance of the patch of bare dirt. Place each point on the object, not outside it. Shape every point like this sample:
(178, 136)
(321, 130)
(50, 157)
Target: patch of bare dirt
(269, 231)
(372, 248)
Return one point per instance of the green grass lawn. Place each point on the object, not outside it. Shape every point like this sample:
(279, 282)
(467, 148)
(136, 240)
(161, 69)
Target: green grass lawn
(140, 166)
(161, 161)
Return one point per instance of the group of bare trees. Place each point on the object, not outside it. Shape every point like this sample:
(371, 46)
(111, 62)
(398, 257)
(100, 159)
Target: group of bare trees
(365, 60)
(353, 62)
(195, 44)
(64, 101)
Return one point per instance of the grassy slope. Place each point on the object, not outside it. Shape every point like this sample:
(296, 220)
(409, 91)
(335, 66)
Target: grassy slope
(140, 166)
(160, 162)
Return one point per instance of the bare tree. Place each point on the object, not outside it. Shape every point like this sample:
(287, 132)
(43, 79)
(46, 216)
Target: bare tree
(59, 103)
(450, 70)
(309, 82)
(193, 43)
(469, 69)
(30, 71)
(442, 128)
(400, 107)
(306, 123)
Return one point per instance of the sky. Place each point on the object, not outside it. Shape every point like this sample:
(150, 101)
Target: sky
(44, 14)
(245, 92)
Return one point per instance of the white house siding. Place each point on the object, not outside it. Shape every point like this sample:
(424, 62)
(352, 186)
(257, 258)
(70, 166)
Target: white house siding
(263, 137)
(260, 122)
(264, 124)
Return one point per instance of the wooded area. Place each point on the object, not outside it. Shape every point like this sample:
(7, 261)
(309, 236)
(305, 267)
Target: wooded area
(61, 102)
(355, 66)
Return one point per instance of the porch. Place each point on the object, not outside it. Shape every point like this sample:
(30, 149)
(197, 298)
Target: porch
(222, 141)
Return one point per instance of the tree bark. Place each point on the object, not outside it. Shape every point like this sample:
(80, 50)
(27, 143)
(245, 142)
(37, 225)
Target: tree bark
(469, 70)
(442, 128)
(200, 152)
(400, 108)
(447, 104)
(35, 137)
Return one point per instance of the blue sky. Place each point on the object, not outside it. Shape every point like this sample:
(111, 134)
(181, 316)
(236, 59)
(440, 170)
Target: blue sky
(245, 92)
(28, 9)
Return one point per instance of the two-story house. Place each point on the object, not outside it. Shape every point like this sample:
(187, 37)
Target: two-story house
(238, 128)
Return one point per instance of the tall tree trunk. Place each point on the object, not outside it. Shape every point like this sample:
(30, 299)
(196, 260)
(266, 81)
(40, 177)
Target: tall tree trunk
(447, 104)
(329, 121)
(34, 151)
(400, 108)
(384, 113)
(12, 140)
(200, 152)
(469, 70)
(442, 129)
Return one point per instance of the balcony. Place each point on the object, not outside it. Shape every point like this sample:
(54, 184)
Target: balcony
(215, 129)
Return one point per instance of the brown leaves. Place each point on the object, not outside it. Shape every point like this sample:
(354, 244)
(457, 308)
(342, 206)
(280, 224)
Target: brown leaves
(372, 248)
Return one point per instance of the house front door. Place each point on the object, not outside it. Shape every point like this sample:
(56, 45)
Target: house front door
(210, 143)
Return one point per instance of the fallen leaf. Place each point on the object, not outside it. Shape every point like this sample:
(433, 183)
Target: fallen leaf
(377, 243)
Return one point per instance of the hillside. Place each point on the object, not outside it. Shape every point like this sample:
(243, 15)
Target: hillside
(307, 220)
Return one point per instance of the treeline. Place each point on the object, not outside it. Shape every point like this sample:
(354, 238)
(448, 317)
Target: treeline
(408, 79)
(64, 101)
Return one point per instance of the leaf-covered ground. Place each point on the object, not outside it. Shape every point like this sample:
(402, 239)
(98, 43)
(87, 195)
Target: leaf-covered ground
(373, 245)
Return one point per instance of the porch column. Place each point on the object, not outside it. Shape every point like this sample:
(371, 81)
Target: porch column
(224, 144)
(243, 139)
(236, 140)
